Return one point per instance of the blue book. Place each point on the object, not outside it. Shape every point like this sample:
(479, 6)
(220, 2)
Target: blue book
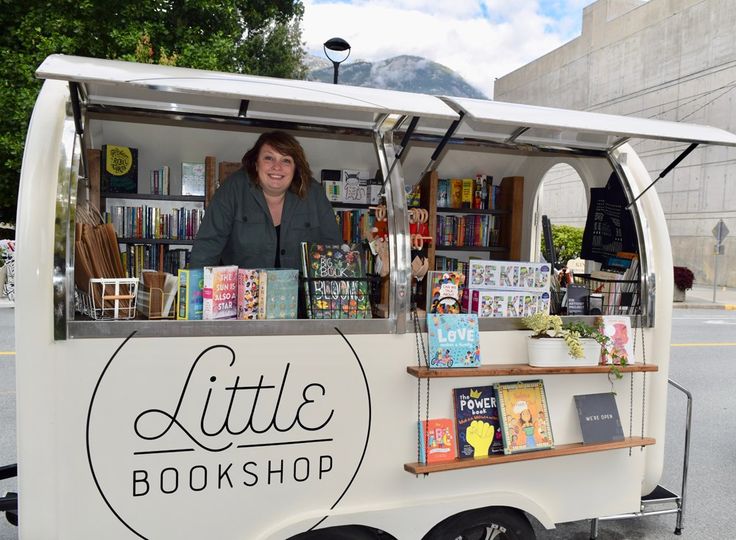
(189, 301)
(476, 422)
(277, 296)
(453, 340)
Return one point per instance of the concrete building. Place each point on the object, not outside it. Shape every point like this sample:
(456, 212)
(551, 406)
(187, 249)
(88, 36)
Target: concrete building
(667, 59)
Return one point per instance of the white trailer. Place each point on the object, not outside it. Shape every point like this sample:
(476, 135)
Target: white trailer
(265, 430)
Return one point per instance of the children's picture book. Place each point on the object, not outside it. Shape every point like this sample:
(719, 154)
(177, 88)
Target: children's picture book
(525, 422)
(248, 287)
(192, 178)
(599, 418)
(476, 421)
(437, 440)
(277, 293)
(505, 303)
(444, 291)
(118, 169)
(219, 292)
(336, 286)
(453, 340)
(189, 300)
(529, 276)
(619, 348)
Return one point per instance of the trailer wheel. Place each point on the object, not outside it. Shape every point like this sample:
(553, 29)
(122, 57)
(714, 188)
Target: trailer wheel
(493, 523)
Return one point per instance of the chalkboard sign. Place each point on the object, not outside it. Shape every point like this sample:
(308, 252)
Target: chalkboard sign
(599, 419)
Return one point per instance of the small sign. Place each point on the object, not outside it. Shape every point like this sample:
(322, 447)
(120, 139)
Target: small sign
(599, 419)
(720, 231)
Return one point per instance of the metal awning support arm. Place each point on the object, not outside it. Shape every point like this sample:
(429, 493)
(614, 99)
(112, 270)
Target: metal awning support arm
(78, 124)
(407, 136)
(432, 165)
(667, 169)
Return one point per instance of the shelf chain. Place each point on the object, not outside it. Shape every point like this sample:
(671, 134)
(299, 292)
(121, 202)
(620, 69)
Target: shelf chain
(421, 356)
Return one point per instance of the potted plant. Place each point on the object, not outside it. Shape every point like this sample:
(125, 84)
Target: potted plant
(683, 281)
(554, 344)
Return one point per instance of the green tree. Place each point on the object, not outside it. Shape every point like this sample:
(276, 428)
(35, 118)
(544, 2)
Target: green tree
(243, 36)
(568, 242)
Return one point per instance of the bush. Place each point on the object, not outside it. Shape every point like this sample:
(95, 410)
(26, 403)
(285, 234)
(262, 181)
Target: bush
(568, 242)
(683, 278)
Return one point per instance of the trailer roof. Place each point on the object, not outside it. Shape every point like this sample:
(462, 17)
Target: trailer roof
(497, 120)
(120, 83)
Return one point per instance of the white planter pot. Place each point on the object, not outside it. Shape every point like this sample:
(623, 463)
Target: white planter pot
(553, 352)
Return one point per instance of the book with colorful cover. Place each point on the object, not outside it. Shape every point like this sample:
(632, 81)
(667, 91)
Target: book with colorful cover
(444, 291)
(118, 169)
(278, 293)
(619, 348)
(476, 420)
(453, 340)
(219, 292)
(437, 440)
(248, 287)
(335, 286)
(524, 415)
(189, 300)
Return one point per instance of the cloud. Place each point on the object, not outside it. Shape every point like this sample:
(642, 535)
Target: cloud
(481, 40)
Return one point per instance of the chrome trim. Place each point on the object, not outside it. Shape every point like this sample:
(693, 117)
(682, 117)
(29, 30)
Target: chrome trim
(64, 223)
(518, 132)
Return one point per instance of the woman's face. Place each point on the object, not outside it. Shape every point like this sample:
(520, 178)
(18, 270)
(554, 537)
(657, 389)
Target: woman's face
(275, 170)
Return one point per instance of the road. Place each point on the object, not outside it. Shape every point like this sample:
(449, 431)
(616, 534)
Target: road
(702, 360)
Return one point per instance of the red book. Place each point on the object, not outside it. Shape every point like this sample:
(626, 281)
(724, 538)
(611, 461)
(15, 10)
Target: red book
(438, 440)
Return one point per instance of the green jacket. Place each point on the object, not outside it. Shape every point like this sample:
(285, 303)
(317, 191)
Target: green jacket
(237, 227)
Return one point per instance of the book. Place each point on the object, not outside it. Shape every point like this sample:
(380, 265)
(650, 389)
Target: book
(332, 183)
(599, 418)
(525, 422)
(355, 186)
(619, 347)
(336, 285)
(248, 288)
(505, 303)
(476, 421)
(277, 293)
(444, 291)
(576, 299)
(192, 178)
(456, 192)
(437, 440)
(453, 340)
(219, 292)
(467, 192)
(119, 169)
(527, 276)
(189, 300)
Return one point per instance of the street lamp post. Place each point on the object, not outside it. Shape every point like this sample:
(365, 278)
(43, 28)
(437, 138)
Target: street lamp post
(336, 45)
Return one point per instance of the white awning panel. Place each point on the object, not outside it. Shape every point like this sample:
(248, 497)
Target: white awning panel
(152, 86)
(545, 126)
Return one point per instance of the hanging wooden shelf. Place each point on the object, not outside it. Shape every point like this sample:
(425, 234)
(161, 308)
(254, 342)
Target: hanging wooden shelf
(497, 459)
(500, 370)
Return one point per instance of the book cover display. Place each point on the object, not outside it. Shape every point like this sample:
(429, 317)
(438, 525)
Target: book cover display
(189, 301)
(443, 291)
(525, 422)
(219, 292)
(278, 293)
(476, 421)
(248, 287)
(192, 178)
(453, 340)
(437, 440)
(119, 169)
(336, 286)
(620, 346)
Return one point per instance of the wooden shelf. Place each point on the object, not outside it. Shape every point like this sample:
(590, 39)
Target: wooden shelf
(499, 370)
(482, 211)
(351, 206)
(484, 249)
(497, 459)
(151, 197)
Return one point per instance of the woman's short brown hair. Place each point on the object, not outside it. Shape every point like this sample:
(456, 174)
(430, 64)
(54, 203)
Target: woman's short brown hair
(289, 146)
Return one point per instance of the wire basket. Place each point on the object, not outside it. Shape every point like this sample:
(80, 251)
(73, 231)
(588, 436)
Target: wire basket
(341, 298)
(605, 296)
(108, 299)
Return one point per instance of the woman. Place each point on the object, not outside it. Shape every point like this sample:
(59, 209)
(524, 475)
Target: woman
(260, 214)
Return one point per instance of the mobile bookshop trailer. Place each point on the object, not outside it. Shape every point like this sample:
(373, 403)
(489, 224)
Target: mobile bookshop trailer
(273, 429)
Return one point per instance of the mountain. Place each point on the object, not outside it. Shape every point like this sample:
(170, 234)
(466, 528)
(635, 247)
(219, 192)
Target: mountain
(405, 73)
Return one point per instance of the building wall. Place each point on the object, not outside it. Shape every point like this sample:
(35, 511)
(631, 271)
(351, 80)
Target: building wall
(666, 59)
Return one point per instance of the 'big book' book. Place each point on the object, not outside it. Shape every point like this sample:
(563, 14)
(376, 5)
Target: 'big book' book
(189, 301)
(335, 286)
(453, 340)
(220, 292)
(476, 420)
(525, 423)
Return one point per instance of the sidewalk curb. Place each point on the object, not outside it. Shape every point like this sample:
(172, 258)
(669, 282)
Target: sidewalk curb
(710, 305)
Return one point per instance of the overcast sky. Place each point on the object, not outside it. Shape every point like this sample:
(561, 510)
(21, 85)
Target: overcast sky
(481, 40)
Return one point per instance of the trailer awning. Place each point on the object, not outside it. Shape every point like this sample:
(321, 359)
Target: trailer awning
(558, 128)
(176, 89)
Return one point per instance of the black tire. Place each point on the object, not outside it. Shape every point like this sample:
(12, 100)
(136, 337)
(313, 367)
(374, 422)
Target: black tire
(493, 523)
(347, 532)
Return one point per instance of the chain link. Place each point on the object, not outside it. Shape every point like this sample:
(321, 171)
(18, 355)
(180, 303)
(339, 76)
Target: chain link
(421, 356)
